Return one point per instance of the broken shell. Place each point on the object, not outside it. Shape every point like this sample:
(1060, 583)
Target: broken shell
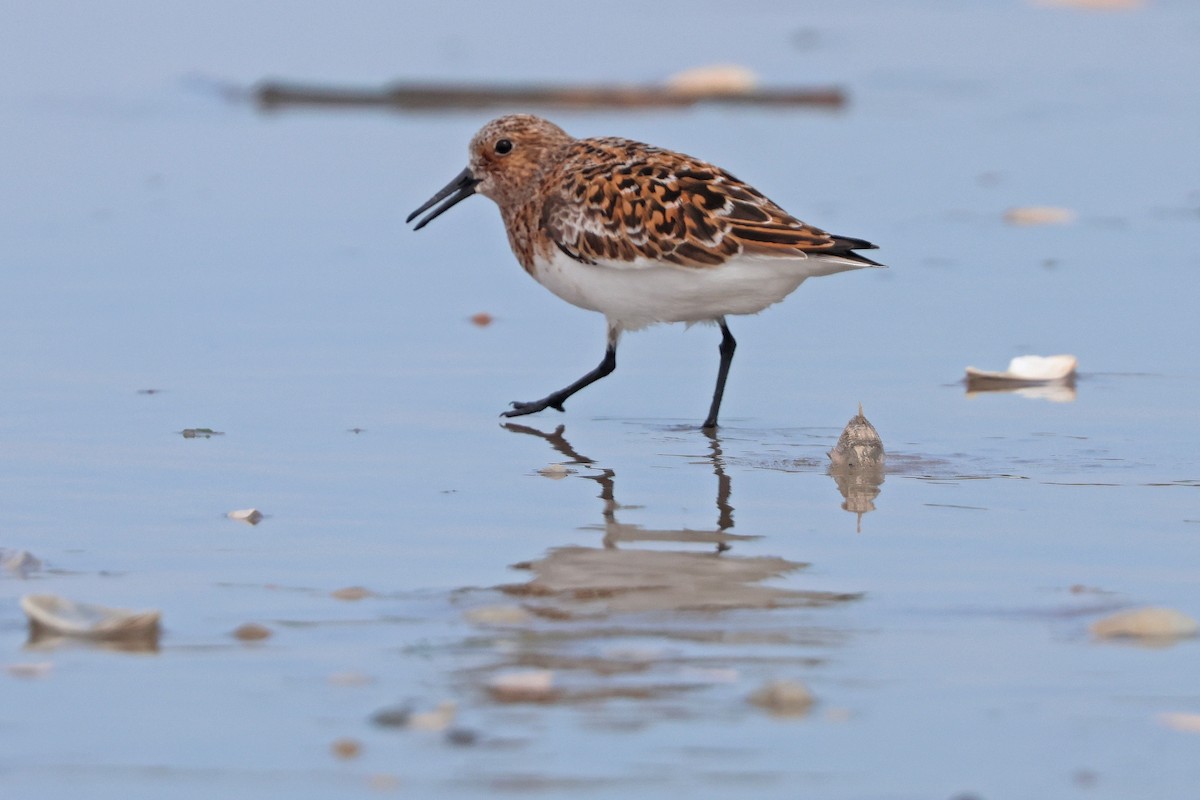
(50, 613)
(1027, 370)
(250, 515)
(1147, 624)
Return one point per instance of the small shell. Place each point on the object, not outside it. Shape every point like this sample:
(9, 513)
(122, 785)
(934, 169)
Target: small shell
(250, 515)
(526, 686)
(53, 614)
(437, 720)
(555, 471)
(1039, 215)
(859, 446)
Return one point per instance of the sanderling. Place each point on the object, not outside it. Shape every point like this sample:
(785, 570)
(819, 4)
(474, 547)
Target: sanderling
(641, 234)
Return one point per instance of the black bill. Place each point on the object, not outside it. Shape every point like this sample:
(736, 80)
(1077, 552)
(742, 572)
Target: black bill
(459, 189)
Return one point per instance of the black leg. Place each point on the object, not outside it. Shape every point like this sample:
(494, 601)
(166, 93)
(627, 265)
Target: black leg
(556, 399)
(728, 345)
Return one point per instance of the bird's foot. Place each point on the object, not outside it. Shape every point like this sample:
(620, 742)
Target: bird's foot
(521, 409)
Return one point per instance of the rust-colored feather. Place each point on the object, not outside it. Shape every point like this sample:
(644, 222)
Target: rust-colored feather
(616, 200)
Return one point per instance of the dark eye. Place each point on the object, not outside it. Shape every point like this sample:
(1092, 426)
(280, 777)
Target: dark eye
(503, 147)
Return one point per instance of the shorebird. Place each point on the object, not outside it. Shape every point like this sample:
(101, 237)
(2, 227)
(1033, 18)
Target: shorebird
(641, 234)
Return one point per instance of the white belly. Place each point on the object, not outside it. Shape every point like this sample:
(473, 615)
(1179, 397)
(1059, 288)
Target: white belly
(643, 293)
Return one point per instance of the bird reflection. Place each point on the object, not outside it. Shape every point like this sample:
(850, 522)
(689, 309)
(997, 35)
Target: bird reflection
(620, 577)
(615, 531)
(859, 489)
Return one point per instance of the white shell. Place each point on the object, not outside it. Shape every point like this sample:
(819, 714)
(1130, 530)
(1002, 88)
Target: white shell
(1029, 369)
(53, 614)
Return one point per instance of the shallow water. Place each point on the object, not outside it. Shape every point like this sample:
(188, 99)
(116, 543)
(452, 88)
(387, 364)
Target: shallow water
(255, 273)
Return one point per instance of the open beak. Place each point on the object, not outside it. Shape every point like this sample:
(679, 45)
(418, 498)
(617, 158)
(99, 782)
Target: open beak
(457, 190)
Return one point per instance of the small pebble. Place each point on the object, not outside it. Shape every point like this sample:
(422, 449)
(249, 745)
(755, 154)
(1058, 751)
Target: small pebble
(346, 748)
(393, 717)
(252, 632)
(351, 593)
(462, 737)
(200, 433)
(482, 319)
(785, 698)
(1147, 624)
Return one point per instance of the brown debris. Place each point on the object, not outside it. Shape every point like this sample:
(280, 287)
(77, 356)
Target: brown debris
(414, 96)
(252, 632)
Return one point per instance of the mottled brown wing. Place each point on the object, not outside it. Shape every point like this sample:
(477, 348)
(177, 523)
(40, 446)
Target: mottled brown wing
(617, 202)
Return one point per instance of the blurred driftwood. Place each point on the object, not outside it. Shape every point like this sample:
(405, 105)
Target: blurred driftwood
(274, 96)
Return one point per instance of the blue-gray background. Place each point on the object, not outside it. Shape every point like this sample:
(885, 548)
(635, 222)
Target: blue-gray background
(256, 270)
